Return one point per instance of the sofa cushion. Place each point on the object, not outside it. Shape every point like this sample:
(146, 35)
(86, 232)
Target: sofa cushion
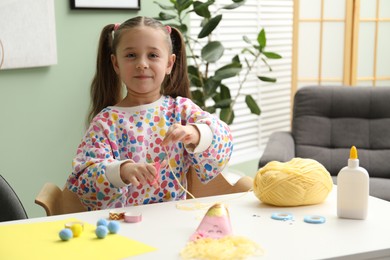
(328, 120)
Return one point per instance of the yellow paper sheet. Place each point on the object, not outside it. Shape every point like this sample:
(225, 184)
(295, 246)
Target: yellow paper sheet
(41, 241)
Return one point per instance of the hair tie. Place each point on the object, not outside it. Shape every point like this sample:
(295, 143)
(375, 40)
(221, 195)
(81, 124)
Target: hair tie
(169, 29)
(116, 26)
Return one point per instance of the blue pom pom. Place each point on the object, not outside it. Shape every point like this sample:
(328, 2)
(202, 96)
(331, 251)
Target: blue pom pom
(101, 231)
(66, 234)
(113, 227)
(102, 222)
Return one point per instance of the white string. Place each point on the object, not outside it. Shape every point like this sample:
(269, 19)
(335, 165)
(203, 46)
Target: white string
(198, 205)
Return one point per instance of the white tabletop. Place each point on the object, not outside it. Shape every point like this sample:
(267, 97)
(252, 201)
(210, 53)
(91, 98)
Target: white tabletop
(168, 228)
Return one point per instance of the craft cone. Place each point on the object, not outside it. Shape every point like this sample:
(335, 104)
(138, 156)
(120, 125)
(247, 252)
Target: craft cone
(215, 224)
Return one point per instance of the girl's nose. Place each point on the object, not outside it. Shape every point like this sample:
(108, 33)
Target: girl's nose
(142, 65)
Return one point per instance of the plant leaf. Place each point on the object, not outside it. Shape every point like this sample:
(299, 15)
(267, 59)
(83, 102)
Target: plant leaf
(252, 105)
(165, 7)
(246, 39)
(227, 115)
(227, 71)
(236, 59)
(210, 109)
(202, 9)
(223, 103)
(267, 79)
(210, 87)
(193, 75)
(163, 16)
(225, 92)
(212, 51)
(272, 55)
(183, 28)
(182, 5)
(261, 39)
(197, 97)
(237, 3)
(210, 26)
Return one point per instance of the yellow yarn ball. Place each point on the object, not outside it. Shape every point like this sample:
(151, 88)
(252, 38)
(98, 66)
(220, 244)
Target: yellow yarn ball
(294, 183)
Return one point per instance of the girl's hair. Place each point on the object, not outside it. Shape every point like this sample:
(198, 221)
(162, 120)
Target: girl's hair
(106, 87)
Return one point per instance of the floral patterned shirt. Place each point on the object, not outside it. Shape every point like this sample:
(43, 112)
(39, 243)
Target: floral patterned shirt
(117, 134)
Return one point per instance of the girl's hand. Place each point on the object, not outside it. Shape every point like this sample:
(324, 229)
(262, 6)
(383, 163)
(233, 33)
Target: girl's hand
(188, 134)
(139, 173)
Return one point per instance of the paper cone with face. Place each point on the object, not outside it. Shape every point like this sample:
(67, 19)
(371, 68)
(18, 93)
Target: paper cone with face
(215, 224)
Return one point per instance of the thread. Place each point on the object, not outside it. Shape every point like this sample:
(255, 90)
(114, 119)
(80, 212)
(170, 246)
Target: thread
(294, 183)
(194, 204)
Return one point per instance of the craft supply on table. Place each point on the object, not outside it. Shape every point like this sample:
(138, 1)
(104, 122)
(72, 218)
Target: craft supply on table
(113, 227)
(102, 222)
(294, 183)
(40, 240)
(131, 217)
(66, 234)
(282, 216)
(352, 189)
(214, 235)
(101, 231)
(116, 214)
(314, 219)
(77, 229)
(70, 224)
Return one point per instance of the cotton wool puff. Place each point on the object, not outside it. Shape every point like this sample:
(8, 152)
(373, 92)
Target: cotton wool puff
(294, 183)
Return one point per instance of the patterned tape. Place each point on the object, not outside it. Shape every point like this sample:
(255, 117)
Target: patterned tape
(116, 215)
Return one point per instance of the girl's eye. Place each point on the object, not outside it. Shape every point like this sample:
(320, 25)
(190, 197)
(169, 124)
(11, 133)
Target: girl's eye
(130, 55)
(153, 55)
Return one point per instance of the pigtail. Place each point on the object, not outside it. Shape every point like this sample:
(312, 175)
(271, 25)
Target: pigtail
(177, 83)
(106, 85)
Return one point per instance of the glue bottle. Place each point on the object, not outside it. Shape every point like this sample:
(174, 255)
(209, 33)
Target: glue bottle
(352, 189)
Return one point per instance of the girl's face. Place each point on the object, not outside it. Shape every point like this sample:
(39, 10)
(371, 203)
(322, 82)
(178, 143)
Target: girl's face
(142, 61)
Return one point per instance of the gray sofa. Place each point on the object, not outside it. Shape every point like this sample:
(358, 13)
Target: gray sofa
(328, 120)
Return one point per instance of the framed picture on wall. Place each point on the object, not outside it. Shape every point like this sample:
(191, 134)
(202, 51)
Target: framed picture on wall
(106, 4)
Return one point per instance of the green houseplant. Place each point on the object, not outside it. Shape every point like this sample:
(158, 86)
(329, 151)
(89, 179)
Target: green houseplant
(205, 85)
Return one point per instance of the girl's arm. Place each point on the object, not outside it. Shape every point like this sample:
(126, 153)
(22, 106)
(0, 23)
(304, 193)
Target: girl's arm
(215, 145)
(95, 161)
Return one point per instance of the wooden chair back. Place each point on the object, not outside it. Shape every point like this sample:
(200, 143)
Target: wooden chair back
(58, 201)
(217, 186)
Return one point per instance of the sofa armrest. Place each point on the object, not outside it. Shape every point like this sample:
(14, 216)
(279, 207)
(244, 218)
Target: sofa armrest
(280, 147)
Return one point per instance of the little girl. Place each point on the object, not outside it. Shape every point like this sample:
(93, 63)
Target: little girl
(155, 124)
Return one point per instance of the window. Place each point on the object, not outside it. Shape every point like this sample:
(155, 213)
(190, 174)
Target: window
(251, 132)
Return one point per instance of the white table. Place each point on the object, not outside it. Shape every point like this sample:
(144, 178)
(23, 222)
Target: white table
(335, 239)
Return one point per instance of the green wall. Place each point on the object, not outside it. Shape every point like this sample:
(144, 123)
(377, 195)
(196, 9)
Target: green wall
(43, 110)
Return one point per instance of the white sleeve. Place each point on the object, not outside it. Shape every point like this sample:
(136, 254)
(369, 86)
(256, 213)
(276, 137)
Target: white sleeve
(113, 173)
(206, 137)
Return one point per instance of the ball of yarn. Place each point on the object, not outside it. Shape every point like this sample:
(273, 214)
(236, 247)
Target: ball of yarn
(294, 183)
(113, 227)
(65, 234)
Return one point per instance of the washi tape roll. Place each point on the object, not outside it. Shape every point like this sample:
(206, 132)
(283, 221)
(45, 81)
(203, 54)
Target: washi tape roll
(133, 217)
(116, 215)
(314, 219)
(70, 224)
(282, 216)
